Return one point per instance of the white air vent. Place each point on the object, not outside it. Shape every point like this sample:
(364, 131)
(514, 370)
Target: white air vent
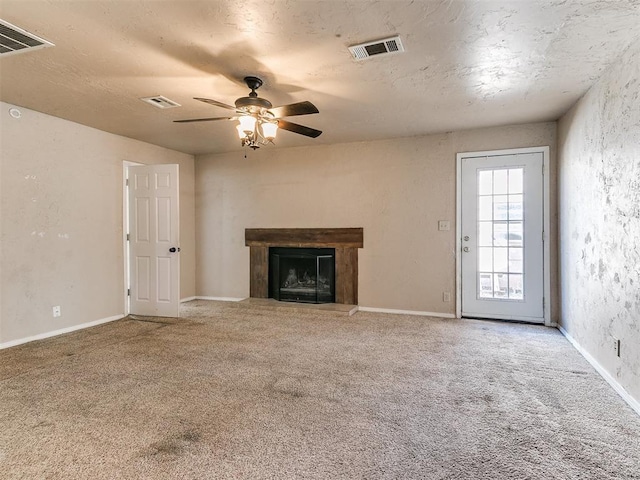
(379, 47)
(161, 102)
(16, 40)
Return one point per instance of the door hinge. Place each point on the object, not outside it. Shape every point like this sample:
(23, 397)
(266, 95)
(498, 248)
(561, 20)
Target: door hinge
(126, 182)
(127, 237)
(128, 292)
(544, 303)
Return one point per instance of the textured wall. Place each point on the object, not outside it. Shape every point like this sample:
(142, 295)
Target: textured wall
(396, 189)
(599, 192)
(62, 221)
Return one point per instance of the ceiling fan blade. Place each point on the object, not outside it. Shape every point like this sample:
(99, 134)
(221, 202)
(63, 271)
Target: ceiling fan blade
(300, 108)
(204, 119)
(301, 129)
(214, 102)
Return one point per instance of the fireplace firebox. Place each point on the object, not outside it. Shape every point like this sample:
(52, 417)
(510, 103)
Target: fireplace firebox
(305, 275)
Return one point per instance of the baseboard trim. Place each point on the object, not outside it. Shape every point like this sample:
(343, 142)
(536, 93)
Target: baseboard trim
(54, 333)
(220, 299)
(405, 312)
(188, 299)
(632, 402)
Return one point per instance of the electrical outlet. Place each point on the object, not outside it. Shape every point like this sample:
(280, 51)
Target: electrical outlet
(444, 225)
(446, 296)
(56, 311)
(618, 349)
(616, 346)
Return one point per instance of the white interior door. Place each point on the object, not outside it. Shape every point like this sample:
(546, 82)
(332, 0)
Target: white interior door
(502, 262)
(154, 240)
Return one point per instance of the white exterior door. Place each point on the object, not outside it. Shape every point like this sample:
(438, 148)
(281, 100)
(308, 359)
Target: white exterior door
(502, 263)
(154, 240)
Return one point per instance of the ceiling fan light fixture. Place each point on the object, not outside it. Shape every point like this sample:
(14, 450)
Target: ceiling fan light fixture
(258, 121)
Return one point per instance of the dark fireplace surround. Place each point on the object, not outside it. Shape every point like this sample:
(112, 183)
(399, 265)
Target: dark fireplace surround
(343, 242)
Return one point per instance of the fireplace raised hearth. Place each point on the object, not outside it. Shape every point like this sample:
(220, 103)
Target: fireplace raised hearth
(344, 242)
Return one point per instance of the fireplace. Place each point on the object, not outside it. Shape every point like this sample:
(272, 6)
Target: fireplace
(344, 242)
(305, 275)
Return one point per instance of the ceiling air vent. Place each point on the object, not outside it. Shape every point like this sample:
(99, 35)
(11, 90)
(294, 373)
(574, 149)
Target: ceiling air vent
(16, 40)
(387, 46)
(161, 102)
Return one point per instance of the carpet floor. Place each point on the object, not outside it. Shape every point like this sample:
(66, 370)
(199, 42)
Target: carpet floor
(231, 392)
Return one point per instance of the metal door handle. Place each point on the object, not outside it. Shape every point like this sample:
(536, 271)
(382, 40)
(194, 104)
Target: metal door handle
(174, 249)
(466, 249)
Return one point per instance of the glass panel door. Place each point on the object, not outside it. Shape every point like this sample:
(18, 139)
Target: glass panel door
(501, 230)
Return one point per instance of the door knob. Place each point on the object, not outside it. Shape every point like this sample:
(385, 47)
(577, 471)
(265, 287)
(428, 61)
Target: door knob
(174, 249)
(466, 249)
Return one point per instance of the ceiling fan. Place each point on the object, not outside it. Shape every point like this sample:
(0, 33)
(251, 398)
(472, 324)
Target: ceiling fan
(258, 119)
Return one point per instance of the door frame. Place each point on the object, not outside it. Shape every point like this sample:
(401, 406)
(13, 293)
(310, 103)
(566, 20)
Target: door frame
(546, 222)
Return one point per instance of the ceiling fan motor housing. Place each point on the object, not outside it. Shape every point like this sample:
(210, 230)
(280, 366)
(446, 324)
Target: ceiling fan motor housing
(252, 103)
(248, 102)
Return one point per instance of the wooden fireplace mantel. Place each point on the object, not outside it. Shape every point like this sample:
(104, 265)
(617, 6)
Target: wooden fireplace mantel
(346, 242)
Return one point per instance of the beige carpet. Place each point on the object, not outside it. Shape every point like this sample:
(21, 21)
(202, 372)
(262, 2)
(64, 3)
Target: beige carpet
(230, 392)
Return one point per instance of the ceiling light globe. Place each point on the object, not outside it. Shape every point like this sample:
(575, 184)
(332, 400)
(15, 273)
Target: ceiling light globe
(247, 123)
(269, 130)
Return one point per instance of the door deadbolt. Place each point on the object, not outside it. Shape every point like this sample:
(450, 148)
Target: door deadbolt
(466, 249)
(174, 249)
(466, 238)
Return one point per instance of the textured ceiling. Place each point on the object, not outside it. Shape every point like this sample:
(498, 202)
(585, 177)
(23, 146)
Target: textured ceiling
(467, 64)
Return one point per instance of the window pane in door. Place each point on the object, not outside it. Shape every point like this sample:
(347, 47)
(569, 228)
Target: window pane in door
(500, 233)
(500, 182)
(515, 180)
(485, 182)
(500, 207)
(485, 234)
(515, 260)
(485, 208)
(485, 259)
(515, 207)
(500, 263)
(515, 287)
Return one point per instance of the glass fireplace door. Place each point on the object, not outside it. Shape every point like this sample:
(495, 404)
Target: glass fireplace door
(302, 275)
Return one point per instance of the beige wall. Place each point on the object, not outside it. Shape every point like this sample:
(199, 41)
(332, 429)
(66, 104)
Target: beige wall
(61, 222)
(396, 189)
(599, 193)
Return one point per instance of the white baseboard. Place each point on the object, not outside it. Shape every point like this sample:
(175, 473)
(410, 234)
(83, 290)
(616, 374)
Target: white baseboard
(221, 299)
(188, 299)
(54, 333)
(633, 403)
(406, 312)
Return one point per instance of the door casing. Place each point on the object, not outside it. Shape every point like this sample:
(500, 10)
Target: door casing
(546, 222)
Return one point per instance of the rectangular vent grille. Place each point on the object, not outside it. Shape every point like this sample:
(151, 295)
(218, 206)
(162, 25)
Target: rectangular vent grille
(161, 102)
(16, 40)
(387, 46)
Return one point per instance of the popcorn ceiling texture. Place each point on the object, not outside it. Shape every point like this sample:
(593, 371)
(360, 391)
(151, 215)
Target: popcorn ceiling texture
(599, 191)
